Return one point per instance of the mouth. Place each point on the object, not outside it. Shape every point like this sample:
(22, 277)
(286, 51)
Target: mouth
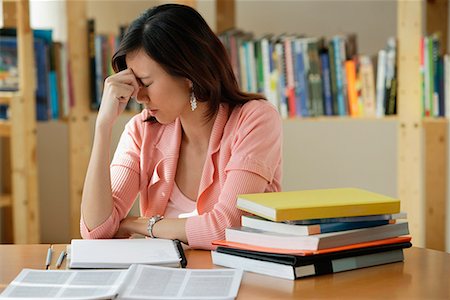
(152, 111)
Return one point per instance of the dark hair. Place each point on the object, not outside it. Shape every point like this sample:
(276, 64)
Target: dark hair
(179, 39)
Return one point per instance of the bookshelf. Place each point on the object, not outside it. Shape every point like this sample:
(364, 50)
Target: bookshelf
(421, 144)
(20, 199)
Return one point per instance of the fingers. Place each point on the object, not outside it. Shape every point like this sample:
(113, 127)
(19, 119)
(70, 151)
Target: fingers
(122, 85)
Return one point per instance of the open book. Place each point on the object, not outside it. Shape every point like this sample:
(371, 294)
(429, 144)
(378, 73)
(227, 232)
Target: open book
(121, 253)
(138, 282)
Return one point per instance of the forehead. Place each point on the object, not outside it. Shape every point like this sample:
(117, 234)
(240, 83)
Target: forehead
(141, 63)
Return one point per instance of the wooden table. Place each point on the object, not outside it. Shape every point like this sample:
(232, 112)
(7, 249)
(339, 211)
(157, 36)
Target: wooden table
(425, 274)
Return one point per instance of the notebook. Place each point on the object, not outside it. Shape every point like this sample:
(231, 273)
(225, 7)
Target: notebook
(121, 253)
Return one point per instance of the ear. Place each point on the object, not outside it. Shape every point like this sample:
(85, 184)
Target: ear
(190, 84)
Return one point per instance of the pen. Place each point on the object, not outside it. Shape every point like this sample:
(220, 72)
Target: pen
(49, 257)
(60, 259)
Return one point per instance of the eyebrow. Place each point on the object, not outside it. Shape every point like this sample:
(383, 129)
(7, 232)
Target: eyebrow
(143, 77)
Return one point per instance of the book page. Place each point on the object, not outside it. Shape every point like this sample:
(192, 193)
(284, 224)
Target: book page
(151, 282)
(45, 284)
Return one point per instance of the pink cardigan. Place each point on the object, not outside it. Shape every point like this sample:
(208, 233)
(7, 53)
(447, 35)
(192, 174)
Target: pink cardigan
(245, 142)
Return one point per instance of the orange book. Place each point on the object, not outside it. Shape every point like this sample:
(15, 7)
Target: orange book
(353, 102)
(401, 239)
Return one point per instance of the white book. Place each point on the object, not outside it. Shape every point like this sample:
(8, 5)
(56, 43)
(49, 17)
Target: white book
(447, 85)
(264, 238)
(138, 282)
(381, 80)
(121, 253)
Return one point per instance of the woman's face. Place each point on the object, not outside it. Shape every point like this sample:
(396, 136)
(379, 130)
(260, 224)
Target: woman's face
(164, 96)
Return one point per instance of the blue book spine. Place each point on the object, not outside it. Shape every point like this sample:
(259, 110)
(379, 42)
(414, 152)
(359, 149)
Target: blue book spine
(339, 79)
(301, 88)
(42, 86)
(333, 227)
(326, 82)
(53, 81)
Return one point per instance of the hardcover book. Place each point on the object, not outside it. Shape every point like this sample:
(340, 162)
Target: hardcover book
(278, 227)
(314, 204)
(294, 267)
(263, 238)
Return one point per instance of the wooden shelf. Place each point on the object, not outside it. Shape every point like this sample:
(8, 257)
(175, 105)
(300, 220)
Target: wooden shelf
(5, 128)
(5, 200)
(6, 97)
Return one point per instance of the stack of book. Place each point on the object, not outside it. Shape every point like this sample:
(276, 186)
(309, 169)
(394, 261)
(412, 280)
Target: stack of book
(313, 232)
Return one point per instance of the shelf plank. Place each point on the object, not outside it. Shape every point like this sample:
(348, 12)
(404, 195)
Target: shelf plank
(6, 97)
(5, 128)
(5, 200)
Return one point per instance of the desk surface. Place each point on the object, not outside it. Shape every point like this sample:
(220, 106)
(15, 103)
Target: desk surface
(423, 275)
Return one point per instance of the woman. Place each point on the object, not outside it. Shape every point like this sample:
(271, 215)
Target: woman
(198, 143)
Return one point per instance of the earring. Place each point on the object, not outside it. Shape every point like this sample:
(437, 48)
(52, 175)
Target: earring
(193, 101)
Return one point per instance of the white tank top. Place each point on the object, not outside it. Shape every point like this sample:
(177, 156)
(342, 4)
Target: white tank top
(179, 205)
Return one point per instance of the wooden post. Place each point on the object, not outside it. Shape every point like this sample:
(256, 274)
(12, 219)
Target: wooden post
(23, 137)
(80, 132)
(436, 165)
(225, 12)
(410, 134)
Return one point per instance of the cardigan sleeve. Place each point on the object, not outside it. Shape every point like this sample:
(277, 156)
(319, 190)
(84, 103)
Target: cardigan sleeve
(253, 167)
(124, 182)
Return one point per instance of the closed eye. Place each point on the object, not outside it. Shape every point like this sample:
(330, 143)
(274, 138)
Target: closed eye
(143, 84)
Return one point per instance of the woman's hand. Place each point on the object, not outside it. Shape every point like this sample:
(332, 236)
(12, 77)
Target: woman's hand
(117, 91)
(132, 225)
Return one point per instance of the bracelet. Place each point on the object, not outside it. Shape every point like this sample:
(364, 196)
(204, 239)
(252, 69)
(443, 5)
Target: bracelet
(151, 222)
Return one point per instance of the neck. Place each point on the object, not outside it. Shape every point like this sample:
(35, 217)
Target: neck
(197, 129)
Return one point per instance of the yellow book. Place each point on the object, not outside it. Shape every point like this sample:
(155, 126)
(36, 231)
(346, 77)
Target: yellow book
(317, 204)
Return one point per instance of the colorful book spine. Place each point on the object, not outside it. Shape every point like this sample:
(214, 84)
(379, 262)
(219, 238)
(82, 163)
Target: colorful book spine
(353, 105)
(301, 87)
(381, 82)
(290, 84)
(326, 83)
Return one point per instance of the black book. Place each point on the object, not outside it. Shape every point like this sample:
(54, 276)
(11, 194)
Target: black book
(294, 266)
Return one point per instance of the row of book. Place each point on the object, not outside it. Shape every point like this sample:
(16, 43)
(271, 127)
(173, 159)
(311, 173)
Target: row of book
(310, 76)
(301, 76)
(101, 49)
(54, 84)
(314, 232)
(435, 77)
(54, 94)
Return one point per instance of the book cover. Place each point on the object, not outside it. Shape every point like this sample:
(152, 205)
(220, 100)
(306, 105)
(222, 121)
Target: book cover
(400, 215)
(313, 204)
(367, 85)
(299, 260)
(314, 77)
(294, 267)
(279, 227)
(326, 82)
(353, 101)
(9, 73)
(268, 249)
(262, 238)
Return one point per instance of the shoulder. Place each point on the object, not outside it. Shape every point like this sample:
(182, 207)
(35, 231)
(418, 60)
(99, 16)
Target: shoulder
(138, 127)
(260, 111)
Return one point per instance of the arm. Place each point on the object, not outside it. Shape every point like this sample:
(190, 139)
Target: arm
(97, 200)
(254, 167)
(225, 214)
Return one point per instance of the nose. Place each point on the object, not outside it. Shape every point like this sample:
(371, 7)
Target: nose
(142, 96)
